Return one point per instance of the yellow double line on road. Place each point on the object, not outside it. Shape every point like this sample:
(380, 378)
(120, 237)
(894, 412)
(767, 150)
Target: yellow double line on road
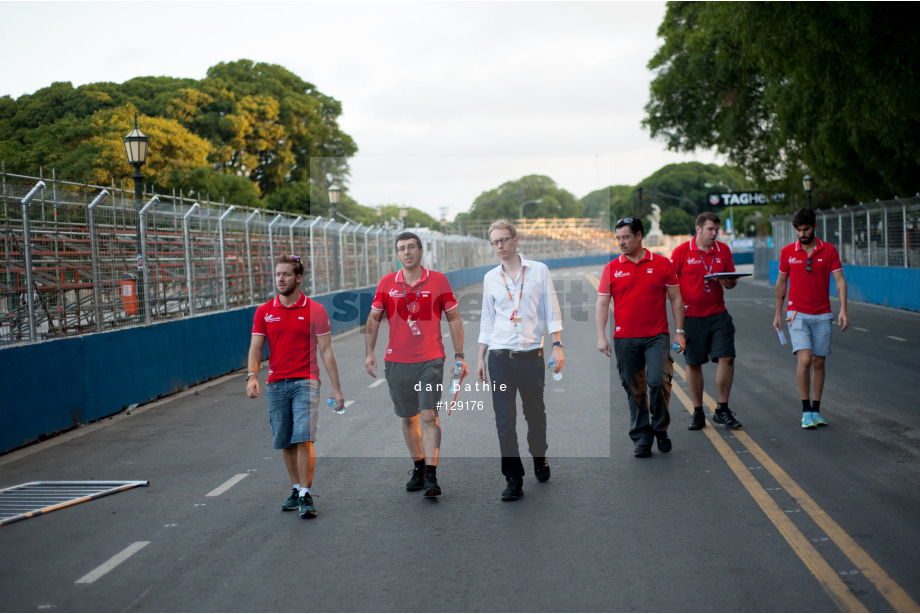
(830, 580)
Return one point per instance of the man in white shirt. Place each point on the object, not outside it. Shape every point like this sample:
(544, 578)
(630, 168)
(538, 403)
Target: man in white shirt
(518, 300)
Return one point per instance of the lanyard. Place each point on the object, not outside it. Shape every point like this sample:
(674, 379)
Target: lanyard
(711, 262)
(414, 308)
(508, 290)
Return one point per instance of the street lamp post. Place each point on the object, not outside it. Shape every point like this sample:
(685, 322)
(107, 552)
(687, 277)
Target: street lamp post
(335, 193)
(809, 184)
(528, 202)
(403, 216)
(136, 143)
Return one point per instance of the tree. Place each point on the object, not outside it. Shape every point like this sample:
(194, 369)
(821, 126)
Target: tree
(504, 202)
(780, 87)
(676, 221)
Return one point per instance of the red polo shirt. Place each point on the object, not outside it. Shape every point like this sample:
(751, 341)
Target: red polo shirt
(690, 265)
(291, 333)
(809, 292)
(425, 300)
(638, 292)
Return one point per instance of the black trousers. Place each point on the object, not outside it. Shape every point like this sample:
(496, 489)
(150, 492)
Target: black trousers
(524, 375)
(645, 368)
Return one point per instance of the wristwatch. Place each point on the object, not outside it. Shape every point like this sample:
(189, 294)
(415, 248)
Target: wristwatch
(459, 355)
(679, 331)
(557, 344)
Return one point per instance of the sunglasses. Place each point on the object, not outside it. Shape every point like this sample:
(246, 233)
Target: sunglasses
(624, 221)
(808, 265)
(293, 257)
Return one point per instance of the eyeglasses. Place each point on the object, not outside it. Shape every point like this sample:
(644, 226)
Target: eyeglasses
(498, 242)
(808, 265)
(624, 221)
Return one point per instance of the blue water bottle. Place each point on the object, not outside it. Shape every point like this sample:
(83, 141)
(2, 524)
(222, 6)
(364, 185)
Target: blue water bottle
(455, 374)
(333, 404)
(552, 366)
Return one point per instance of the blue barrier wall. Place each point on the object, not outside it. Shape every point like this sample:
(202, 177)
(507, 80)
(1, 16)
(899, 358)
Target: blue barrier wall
(891, 287)
(53, 386)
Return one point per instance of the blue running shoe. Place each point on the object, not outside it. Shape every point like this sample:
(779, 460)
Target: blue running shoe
(808, 420)
(818, 419)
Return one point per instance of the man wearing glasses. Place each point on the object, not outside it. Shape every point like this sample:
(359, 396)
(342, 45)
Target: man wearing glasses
(710, 331)
(637, 282)
(808, 265)
(518, 300)
(295, 327)
(412, 300)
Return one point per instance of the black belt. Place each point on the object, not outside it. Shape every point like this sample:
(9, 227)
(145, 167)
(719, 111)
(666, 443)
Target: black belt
(519, 353)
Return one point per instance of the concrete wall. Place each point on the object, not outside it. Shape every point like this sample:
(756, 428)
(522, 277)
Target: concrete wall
(891, 287)
(52, 386)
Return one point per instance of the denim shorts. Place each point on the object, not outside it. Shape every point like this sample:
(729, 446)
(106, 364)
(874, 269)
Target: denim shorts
(809, 332)
(293, 411)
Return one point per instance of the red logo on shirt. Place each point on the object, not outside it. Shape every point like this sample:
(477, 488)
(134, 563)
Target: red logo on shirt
(270, 318)
(619, 274)
(692, 260)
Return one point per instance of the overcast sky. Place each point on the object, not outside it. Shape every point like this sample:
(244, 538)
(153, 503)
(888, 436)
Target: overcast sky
(445, 100)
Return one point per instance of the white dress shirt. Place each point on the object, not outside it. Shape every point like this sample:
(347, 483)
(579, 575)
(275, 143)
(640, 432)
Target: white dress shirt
(538, 306)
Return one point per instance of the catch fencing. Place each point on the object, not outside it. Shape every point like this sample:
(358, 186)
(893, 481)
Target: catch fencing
(882, 234)
(96, 260)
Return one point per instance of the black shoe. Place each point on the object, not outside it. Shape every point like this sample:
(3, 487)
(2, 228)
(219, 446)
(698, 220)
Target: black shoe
(698, 421)
(293, 502)
(306, 507)
(417, 480)
(725, 417)
(541, 468)
(664, 443)
(431, 486)
(643, 450)
(514, 490)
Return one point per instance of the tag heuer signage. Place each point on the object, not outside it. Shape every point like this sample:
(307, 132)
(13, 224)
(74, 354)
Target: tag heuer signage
(744, 198)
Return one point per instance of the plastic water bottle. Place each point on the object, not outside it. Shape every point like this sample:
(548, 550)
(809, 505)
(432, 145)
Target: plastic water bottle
(676, 347)
(455, 374)
(552, 367)
(333, 404)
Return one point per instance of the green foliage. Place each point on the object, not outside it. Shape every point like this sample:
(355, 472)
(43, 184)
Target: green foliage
(247, 129)
(505, 202)
(676, 221)
(779, 87)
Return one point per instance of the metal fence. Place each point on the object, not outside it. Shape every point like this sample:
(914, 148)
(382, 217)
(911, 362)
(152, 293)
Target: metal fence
(883, 233)
(95, 262)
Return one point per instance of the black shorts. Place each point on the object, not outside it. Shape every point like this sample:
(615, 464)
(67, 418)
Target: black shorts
(415, 385)
(709, 338)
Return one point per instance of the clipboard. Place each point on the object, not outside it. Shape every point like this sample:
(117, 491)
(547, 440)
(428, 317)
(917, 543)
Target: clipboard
(727, 275)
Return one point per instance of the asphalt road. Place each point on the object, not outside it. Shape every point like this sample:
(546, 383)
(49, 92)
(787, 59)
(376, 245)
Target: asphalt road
(770, 518)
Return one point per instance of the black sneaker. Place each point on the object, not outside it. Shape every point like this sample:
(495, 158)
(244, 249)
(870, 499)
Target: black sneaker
(431, 487)
(306, 507)
(725, 417)
(541, 468)
(417, 479)
(698, 421)
(514, 490)
(293, 502)
(664, 443)
(643, 450)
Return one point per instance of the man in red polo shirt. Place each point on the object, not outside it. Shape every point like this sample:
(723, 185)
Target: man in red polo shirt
(808, 265)
(637, 282)
(294, 326)
(413, 299)
(710, 331)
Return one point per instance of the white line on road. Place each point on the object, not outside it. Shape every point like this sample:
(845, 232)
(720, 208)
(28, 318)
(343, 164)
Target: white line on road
(349, 404)
(865, 330)
(112, 563)
(377, 382)
(896, 338)
(226, 485)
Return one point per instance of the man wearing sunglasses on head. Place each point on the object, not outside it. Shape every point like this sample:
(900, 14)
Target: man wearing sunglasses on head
(295, 327)
(808, 265)
(638, 282)
(412, 299)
